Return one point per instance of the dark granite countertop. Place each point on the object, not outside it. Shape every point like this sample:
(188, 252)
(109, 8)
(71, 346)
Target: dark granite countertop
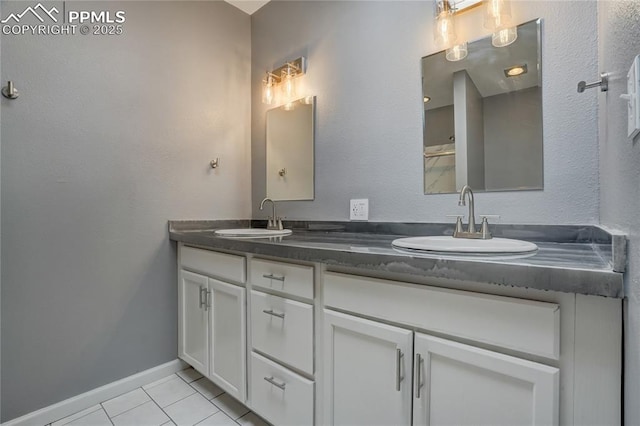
(575, 259)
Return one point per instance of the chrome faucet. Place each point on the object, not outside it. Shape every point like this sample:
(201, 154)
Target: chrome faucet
(471, 231)
(273, 222)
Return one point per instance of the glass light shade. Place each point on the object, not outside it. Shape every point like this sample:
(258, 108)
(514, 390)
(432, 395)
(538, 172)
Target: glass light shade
(504, 37)
(457, 52)
(268, 89)
(288, 83)
(497, 14)
(445, 30)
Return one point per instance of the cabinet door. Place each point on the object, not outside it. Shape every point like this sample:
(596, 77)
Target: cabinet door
(458, 384)
(228, 337)
(193, 327)
(367, 372)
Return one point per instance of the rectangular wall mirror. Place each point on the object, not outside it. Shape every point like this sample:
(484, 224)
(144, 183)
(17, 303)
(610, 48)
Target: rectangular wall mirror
(290, 146)
(483, 116)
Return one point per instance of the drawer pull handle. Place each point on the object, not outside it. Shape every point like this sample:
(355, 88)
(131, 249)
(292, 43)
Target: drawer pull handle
(418, 378)
(399, 376)
(207, 300)
(202, 301)
(274, 314)
(274, 383)
(274, 277)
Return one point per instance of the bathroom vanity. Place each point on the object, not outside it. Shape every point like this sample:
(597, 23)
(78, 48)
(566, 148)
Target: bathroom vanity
(339, 328)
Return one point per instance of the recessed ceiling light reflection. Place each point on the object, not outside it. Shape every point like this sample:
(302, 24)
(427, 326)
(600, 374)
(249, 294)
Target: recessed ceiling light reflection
(516, 70)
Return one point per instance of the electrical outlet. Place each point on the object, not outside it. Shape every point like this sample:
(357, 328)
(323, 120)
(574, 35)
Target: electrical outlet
(359, 209)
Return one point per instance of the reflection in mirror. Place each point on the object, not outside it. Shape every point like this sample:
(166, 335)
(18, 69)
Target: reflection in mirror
(290, 161)
(483, 116)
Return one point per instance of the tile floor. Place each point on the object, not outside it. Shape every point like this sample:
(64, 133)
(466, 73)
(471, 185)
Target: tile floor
(185, 398)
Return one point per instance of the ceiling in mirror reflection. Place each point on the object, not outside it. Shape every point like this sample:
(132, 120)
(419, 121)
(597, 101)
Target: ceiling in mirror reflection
(486, 65)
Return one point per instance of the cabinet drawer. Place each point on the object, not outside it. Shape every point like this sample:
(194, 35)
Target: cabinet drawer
(279, 395)
(518, 324)
(283, 329)
(286, 277)
(215, 264)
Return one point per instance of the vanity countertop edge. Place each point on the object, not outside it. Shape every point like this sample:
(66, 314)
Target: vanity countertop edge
(571, 270)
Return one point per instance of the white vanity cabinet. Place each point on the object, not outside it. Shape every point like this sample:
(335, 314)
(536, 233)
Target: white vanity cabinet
(300, 345)
(461, 384)
(212, 317)
(376, 373)
(373, 370)
(367, 372)
(281, 382)
(193, 321)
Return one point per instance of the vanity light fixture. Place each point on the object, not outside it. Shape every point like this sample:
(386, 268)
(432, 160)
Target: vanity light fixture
(444, 29)
(426, 99)
(497, 17)
(268, 89)
(283, 78)
(457, 52)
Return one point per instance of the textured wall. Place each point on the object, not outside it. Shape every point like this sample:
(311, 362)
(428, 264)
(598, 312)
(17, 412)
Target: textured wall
(110, 138)
(364, 67)
(620, 172)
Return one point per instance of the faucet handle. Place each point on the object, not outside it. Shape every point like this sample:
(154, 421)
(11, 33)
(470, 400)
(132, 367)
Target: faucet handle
(486, 234)
(458, 228)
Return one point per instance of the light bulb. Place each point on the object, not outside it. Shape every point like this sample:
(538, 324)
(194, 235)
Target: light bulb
(504, 37)
(497, 14)
(268, 86)
(288, 84)
(445, 30)
(457, 52)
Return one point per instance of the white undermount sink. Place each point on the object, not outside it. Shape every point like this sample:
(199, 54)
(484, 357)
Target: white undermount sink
(253, 232)
(465, 246)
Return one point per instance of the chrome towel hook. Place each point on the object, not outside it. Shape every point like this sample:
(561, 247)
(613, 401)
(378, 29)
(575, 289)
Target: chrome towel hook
(603, 83)
(9, 91)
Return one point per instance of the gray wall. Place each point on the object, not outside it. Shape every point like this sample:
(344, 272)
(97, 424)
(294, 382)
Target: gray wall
(512, 135)
(364, 68)
(469, 125)
(620, 173)
(110, 138)
(440, 126)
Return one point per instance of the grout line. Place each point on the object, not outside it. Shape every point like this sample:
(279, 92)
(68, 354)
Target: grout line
(158, 405)
(105, 411)
(167, 414)
(125, 411)
(210, 399)
(181, 399)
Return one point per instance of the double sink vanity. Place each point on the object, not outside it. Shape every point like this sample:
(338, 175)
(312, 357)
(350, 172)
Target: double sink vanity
(364, 323)
(331, 324)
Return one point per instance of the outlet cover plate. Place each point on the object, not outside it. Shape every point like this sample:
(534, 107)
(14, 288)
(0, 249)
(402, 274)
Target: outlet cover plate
(359, 209)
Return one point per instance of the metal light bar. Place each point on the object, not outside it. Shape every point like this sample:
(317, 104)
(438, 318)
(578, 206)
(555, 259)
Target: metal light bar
(300, 65)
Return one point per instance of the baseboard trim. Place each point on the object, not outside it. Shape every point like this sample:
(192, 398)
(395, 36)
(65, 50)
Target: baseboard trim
(85, 400)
